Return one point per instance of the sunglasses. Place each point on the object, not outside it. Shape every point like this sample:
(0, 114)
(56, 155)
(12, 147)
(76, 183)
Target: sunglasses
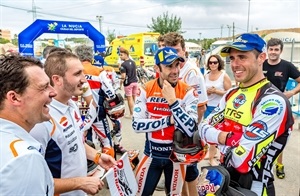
(213, 62)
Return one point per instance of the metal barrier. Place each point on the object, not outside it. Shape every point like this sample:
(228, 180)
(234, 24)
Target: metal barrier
(295, 100)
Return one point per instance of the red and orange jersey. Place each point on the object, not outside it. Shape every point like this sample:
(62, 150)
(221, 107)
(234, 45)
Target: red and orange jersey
(152, 115)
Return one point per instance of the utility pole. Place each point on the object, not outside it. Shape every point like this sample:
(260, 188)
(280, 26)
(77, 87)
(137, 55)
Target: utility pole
(229, 30)
(33, 10)
(248, 16)
(100, 18)
(222, 30)
(233, 28)
(200, 39)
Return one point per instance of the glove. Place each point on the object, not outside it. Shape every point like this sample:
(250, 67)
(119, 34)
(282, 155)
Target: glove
(109, 151)
(233, 139)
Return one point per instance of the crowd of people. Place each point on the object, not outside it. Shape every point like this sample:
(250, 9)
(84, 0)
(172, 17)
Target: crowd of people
(45, 148)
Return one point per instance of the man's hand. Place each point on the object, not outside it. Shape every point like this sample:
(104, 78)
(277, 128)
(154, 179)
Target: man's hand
(90, 185)
(168, 92)
(106, 161)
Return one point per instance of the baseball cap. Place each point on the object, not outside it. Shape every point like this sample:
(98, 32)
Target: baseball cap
(167, 56)
(245, 42)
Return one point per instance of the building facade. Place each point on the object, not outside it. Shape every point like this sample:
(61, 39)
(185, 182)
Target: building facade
(5, 34)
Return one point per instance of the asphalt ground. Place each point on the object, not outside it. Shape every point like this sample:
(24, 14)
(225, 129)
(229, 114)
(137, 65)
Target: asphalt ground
(289, 186)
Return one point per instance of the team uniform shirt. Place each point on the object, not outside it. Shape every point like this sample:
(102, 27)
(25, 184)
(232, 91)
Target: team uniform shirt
(63, 142)
(263, 115)
(191, 75)
(23, 170)
(98, 79)
(214, 99)
(102, 81)
(279, 74)
(152, 116)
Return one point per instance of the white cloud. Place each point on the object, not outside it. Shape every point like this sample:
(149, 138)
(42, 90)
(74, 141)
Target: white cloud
(132, 16)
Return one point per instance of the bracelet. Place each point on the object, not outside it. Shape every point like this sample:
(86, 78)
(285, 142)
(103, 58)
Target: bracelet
(97, 157)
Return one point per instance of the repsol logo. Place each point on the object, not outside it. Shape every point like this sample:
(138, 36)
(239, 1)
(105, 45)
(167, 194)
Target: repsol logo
(234, 113)
(158, 100)
(149, 125)
(109, 93)
(88, 77)
(186, 120)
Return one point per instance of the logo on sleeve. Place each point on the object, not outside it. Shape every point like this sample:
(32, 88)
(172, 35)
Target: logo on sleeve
(271, 107)
(256, 131)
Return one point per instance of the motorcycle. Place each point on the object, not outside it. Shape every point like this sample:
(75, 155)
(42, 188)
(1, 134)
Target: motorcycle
(145, 74)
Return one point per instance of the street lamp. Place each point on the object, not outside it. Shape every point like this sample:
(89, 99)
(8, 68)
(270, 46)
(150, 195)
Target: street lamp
(248, 15)
(200, 39)
(229, 30)
(100, 18)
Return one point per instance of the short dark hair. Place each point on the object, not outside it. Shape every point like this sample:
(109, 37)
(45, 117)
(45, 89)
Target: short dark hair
(13, 75)
(275, 42)
(221, 64)
(56, 63)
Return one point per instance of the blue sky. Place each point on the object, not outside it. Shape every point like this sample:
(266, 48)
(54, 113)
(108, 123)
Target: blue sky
(200, 18)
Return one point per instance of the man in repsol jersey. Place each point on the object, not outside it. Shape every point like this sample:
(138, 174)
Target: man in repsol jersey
(163, 105)
(253, 121)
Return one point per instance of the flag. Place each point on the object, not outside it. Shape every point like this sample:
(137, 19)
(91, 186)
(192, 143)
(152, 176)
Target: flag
(121, 179)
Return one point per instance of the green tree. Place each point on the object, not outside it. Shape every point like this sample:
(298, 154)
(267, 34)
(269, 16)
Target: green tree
(207, 42)
(164, 24)
(15, 41)
(111, 35)
(4, 41)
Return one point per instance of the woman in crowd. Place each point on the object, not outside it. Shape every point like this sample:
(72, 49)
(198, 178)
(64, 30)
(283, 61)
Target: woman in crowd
(217, 82)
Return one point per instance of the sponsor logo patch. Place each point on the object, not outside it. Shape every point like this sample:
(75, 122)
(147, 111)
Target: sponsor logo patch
(256, 131)
(239, 100)
(270, 108)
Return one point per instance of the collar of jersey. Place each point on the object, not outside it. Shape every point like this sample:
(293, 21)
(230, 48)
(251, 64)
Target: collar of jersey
(7, 127)
(60, 107)
(255, 86)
